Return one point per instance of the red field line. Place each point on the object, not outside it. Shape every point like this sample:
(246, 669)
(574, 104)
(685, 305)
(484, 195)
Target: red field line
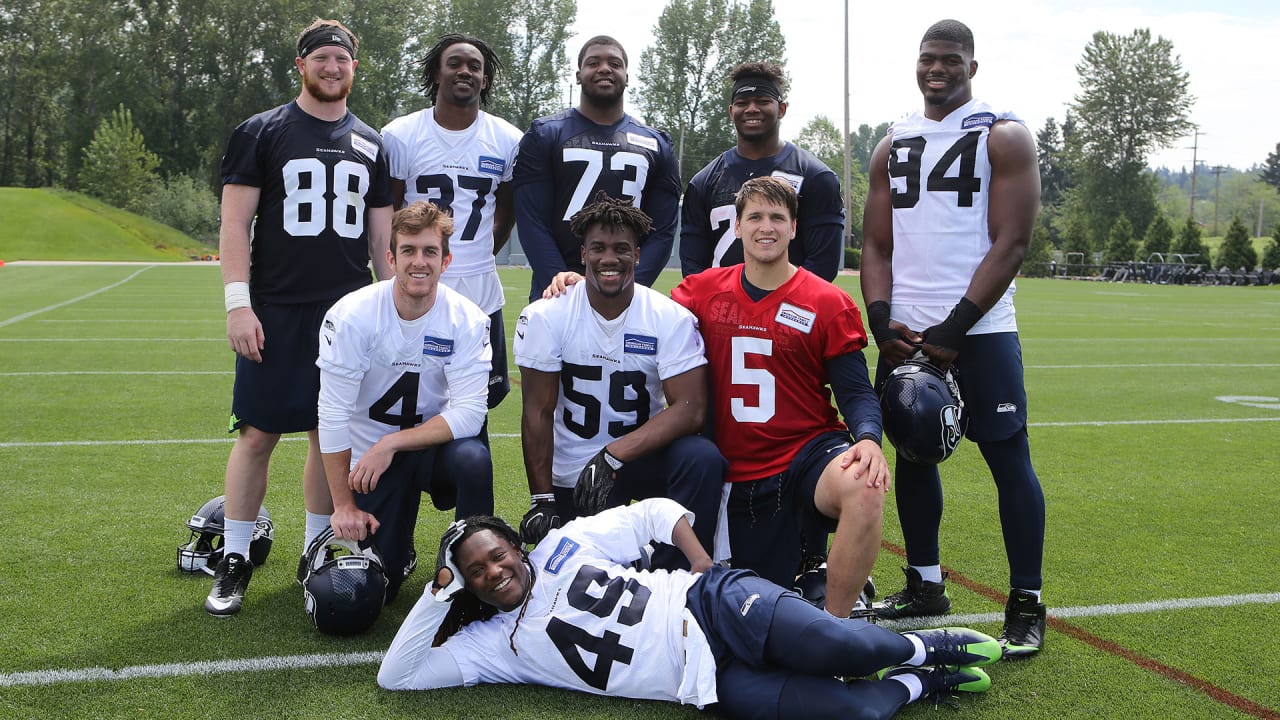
(1222, 695)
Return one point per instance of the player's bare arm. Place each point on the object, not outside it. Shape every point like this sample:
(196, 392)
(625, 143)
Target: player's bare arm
(682, 537)
(541, 390)
(348, 521)
(504, 215)
(379, 234)
(239, 205)
(685, 414)
(896, 341)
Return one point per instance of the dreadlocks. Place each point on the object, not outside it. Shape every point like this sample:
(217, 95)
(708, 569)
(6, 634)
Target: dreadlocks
(610, 213)
(466, 607)
(430, 65)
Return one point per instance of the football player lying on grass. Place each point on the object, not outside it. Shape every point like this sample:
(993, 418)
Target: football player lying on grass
(574, 613)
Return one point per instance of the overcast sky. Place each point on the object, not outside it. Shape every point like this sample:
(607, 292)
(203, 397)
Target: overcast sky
(1026, 52)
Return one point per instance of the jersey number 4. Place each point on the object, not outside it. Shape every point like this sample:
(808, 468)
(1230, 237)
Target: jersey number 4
(607, 647)
(964, 184)
(403, 392)
(307, 210)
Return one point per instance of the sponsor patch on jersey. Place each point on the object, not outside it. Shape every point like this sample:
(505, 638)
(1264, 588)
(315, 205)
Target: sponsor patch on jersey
(639, 344)
(746, 606)
(492, 165)
(364, 146)
(643, 141)
(982, 119)
(436, 347)
(564, 551)
(1006, 408)
(795, 181)
(794, 317)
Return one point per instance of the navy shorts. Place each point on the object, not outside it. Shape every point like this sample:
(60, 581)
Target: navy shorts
(734, 608)
(769, 517)
(279, 395)
(499, 381)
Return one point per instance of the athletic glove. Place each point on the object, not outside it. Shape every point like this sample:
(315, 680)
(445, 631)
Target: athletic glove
(541, 519)
(878, 323)
(950, 333)
(595, 482)
(444, 559)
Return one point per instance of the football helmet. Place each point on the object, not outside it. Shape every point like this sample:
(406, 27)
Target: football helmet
(923, 413)
(345, 585)
(203, 551)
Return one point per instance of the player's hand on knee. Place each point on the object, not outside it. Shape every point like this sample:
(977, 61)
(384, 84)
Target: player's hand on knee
(542, 518)
(595, 482)
(369, 468)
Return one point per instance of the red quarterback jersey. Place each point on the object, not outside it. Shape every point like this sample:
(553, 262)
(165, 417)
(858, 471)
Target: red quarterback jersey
(767, 361)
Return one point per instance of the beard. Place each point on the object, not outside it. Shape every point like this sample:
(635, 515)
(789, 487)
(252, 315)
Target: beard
(316, 89)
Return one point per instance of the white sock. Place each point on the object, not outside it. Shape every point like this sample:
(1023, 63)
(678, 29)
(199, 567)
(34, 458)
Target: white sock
(236, 537)
(912, 683)
(1029, 592)
(316, 524)
(920, 654)
(929, 573)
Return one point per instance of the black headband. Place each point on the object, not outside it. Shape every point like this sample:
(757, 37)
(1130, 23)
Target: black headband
(325, 35)
(756, 87)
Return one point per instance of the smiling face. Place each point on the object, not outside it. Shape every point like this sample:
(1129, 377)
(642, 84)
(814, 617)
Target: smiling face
(610, 255)
(327, 73)
(943, 73)
(461, 79)
(493, 570)
(756, 117)
(603, 74)
(418, 260)
(766, 230)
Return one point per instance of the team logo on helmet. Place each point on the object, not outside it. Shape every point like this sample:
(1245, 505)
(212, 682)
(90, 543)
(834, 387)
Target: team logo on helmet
(923, 412)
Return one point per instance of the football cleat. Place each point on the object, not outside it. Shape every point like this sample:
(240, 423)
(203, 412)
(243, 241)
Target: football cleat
(918, 598)
(958, 646)
(941, 680)
(230, 580)
(412, 564)
(1024, 624)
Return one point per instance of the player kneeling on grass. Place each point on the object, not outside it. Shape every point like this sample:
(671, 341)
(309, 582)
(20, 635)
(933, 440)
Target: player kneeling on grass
(574, 614)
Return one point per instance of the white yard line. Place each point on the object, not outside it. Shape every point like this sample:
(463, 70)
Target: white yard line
(64, 303)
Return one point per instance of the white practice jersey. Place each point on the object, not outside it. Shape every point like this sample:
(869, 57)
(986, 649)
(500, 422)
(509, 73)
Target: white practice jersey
(458, 171)
(380, 374)
(592, 623)
(940, 177)
(610, 373)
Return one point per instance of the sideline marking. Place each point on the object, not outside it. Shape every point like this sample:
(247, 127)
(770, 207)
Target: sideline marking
(1222, 695)
(293, 662)
(64, 303)
(191, 441)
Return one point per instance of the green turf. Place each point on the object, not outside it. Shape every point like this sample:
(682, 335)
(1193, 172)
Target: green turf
(1152, 511)
(47, 224)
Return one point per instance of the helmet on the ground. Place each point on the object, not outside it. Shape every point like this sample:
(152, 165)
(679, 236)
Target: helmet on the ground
(345, 585)
(923, 413)
(203, 550)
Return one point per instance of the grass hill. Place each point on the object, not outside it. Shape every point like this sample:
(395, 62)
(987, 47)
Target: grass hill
(49, 224)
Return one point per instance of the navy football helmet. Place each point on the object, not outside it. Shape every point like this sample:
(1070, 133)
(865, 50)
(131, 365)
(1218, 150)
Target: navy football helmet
(345, 585)
(203, 550)
(923, 413)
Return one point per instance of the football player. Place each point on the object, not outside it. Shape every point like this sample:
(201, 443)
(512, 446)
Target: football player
(780, 342)
(403, 366)
(952, 201)
(573, 614)
(308, 182)
(460, 157)
(708, 227)
(565, 159)
(614, 383)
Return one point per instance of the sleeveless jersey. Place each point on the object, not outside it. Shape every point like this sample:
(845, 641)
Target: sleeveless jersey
(458, 172)
(610, 376)
(709, 230)
(939, 177)
(408, 371)
(317, 181)
(770, 388)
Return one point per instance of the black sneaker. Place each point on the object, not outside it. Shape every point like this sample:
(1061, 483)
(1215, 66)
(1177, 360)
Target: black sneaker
(229, 582)
(918, 598)
(1024, 621)
(412, 564)
(941, 680)
(957, 646)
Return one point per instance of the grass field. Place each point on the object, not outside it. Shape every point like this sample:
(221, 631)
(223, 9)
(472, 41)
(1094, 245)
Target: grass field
(1155, 417)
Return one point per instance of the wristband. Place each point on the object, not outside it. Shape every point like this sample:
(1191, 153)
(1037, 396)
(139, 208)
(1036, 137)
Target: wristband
(614, 462)
(236, 295)
(539, 498)
(878, 322)
(950, 332)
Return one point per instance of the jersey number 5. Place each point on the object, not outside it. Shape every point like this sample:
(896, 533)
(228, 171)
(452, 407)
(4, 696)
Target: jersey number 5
(964, 184)
(350, 184)
(606, 647)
